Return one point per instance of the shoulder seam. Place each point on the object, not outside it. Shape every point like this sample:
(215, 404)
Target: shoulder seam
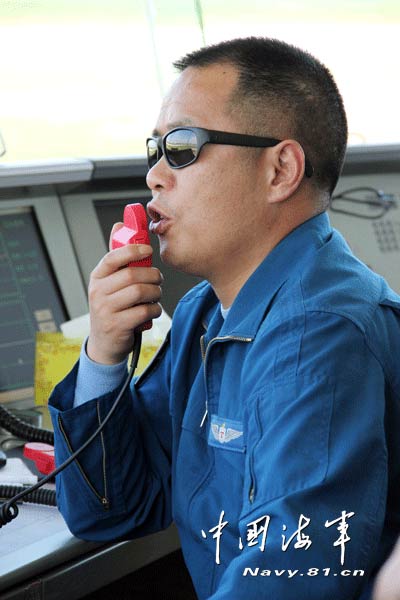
(363, 333)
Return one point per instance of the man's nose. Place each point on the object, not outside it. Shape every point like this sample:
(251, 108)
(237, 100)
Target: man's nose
(160, 176)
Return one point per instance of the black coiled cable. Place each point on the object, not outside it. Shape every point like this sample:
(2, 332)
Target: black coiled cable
(42, 496)
(9, 510)
(23, 430)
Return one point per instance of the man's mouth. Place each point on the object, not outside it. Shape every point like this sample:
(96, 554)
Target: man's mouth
(159, 221)
(154, 213)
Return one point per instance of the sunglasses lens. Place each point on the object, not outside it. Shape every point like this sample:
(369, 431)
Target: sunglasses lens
(152, 153)
(181, 147)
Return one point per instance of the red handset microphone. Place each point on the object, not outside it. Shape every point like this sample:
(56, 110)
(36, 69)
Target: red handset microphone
(134, 231)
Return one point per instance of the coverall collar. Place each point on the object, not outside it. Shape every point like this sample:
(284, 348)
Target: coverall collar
(285, 260)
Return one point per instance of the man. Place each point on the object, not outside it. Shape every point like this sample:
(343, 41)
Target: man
(266, 427)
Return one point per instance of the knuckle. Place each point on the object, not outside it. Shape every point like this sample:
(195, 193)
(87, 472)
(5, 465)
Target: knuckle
(106, 260)
(134, 250)
(95, 295)
(142, 312)
(138, 293)
(93, 276)
(132, 275)
(131, 253)
(157, 276)
(151, 293)
(153, 310)
(92, 293)
(157, 309)
(157, 293)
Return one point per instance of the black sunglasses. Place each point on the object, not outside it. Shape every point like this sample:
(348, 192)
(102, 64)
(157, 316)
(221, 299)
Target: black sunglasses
(181, 146)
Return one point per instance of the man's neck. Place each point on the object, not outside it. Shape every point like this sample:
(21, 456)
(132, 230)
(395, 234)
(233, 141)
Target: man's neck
(232, 276)
(226, 291)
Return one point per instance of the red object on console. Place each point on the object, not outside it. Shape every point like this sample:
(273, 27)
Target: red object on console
(42, 455)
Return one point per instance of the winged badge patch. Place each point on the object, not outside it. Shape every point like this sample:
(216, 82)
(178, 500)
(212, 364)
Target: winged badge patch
(226, 432)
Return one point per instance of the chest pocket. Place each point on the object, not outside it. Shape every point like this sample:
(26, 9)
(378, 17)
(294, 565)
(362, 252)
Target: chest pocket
(226, 439)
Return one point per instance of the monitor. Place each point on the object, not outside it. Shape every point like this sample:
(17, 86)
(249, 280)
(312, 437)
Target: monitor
(40, 287)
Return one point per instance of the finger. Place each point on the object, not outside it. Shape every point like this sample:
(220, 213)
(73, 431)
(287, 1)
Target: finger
(133, 317)
(141, 293)
(129, 276)
(120, 257)
(114, 229)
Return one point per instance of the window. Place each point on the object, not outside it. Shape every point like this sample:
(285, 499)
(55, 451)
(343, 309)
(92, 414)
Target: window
(84, 78)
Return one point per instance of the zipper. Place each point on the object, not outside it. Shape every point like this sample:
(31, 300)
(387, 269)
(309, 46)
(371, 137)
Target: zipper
(253, 481)
(204, 354)
(203, 351)
(251, 494)
(252, 486)
(104, 453)
(103, 499)
(203, 357)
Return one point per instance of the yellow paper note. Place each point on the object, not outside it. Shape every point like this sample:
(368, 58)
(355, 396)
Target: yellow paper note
(147, 353)
(54, 357)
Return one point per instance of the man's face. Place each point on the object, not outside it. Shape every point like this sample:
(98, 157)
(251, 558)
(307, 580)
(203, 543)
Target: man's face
(211, 208)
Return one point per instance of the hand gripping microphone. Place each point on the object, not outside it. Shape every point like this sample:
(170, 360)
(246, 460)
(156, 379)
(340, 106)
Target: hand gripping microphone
(134, 231)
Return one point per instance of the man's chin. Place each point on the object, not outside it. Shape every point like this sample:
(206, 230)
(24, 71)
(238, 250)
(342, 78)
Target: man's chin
(177, 260)
(168, 257)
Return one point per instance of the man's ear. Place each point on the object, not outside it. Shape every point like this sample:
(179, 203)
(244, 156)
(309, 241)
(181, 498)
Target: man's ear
(285, 170)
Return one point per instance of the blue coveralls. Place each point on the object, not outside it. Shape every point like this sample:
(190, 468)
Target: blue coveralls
(280, 421)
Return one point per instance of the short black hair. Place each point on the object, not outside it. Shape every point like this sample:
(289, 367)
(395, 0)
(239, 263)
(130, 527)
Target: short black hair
(284, 91)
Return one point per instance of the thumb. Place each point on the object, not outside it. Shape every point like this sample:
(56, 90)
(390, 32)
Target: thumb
(115, 228)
